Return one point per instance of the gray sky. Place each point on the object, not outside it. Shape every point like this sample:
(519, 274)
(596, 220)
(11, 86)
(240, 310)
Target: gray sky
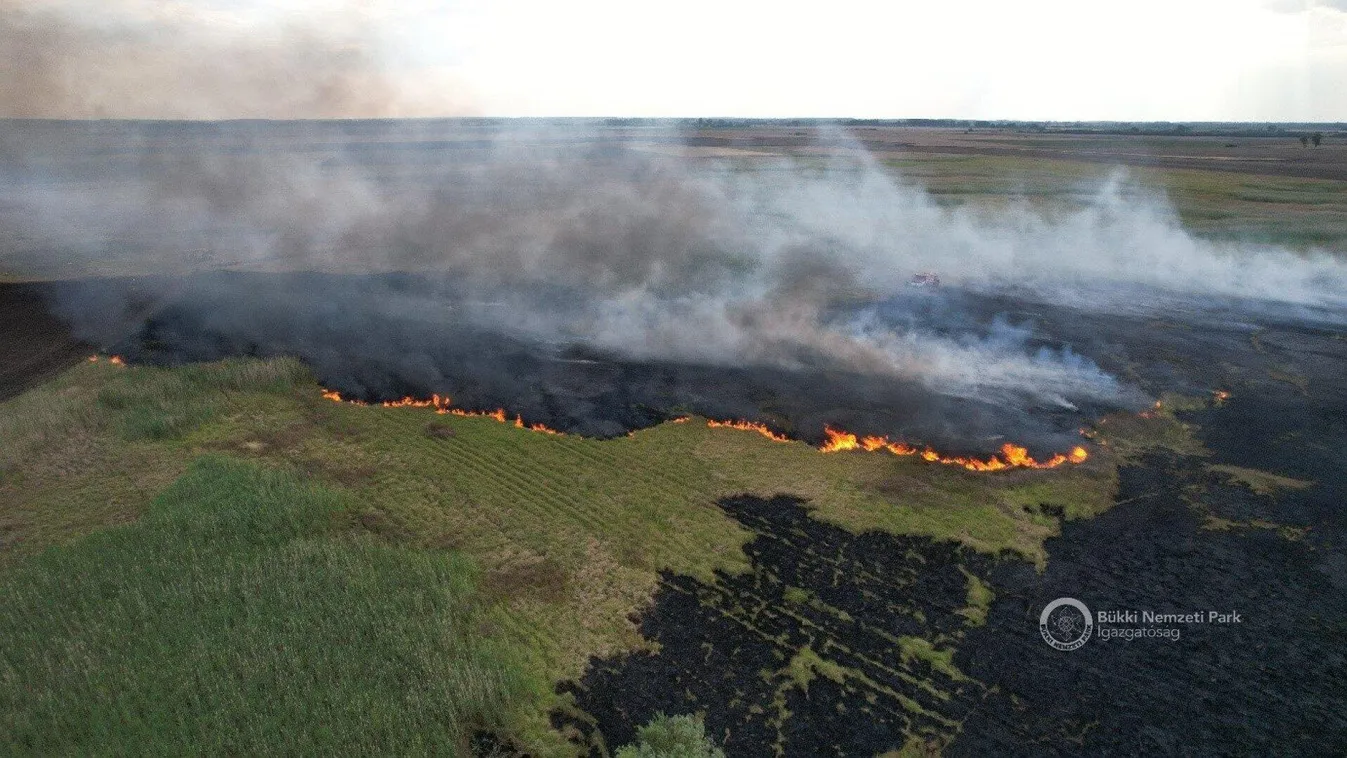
(1256, 60)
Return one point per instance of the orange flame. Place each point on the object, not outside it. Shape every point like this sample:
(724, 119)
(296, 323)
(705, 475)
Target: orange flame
(838, 441)
(748, 426)
(435, 401)
(115, 360)
(443, 405)
(1012, 456)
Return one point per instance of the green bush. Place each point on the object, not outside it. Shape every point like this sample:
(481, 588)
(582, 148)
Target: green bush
(672, 737)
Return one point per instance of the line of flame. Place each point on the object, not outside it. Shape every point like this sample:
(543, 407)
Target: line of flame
(443, 405)
(1012, 455)
(748, 426)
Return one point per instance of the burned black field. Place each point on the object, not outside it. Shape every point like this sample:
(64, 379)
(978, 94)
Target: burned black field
(1186, 537)
(1182, 536)
(747, 649)
(842, 644)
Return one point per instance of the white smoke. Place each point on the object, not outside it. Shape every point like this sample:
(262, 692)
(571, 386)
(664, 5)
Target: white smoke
(566, 237)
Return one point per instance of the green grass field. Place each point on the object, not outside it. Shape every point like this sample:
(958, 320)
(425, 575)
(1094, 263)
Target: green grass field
(1298, 213)
(179, 541)
(239, 616)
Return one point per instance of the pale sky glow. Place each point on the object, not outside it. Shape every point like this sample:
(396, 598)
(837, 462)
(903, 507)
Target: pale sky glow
(1159, 60)
(1039, 59)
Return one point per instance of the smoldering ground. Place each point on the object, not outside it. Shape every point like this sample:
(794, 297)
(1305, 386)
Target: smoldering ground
(568, 274)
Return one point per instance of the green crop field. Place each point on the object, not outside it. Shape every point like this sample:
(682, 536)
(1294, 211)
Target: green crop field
(178, 541)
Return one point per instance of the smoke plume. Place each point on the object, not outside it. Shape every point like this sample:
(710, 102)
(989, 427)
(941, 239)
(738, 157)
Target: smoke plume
(508, 261)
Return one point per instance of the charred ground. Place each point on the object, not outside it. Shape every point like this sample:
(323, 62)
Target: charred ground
(1246, 514)
(1201, 530)
(34, 345)
(834, 644)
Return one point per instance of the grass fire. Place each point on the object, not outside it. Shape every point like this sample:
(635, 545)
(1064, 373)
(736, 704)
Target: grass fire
(485, 437)
(1012, 455)
(444, 406)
